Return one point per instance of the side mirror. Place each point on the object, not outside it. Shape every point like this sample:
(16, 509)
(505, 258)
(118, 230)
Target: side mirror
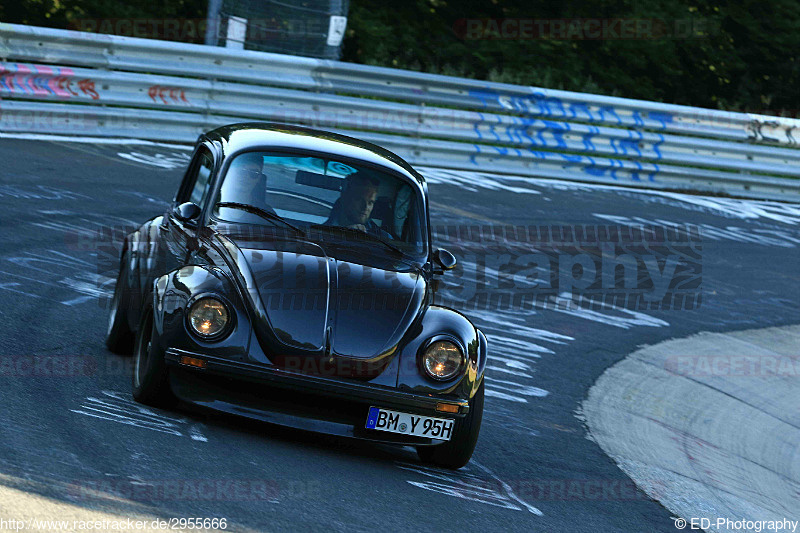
(444, 259)
(187, 211)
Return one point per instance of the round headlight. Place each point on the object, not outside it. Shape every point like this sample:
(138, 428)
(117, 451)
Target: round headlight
(442, 360)
(208, 317)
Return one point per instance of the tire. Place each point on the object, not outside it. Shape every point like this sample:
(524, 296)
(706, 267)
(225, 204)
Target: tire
(119, 337)
(457, 451)
(150, 379)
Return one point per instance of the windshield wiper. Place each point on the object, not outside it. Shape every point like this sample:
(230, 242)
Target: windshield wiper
(262, 213)
(359, 233)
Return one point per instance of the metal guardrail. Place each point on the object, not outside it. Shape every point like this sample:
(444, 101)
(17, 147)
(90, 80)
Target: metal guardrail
(80, 83)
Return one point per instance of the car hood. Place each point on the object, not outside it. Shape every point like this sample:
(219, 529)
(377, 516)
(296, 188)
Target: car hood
(316, 302)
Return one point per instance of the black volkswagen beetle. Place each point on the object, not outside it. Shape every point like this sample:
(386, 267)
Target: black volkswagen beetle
(293, 280)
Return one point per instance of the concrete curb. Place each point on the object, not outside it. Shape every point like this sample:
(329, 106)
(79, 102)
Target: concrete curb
(708, 425)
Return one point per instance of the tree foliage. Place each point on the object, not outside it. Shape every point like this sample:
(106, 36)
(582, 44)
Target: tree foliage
(737, 55)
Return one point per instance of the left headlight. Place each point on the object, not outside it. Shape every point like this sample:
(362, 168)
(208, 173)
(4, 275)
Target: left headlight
(442, 360)
(208, 317)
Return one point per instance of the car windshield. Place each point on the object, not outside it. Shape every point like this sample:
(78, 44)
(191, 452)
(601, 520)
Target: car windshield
(326, 199)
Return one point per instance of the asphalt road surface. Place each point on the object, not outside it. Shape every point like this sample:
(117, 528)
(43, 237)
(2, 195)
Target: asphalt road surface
(72, 442)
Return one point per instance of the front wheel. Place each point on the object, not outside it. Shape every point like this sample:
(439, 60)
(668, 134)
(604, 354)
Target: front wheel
(150, 380)
(457, 451)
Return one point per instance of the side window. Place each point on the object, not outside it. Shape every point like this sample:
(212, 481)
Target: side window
(199, 190)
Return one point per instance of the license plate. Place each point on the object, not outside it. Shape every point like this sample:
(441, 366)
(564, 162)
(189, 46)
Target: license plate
(408, 424)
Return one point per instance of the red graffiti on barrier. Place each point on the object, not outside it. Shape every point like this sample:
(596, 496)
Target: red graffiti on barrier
(176, 95)
(64, 84)
(87, 87)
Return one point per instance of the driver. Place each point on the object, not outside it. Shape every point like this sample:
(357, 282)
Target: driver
(354, 206)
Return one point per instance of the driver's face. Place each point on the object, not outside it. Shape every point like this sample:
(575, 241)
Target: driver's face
(358, 204)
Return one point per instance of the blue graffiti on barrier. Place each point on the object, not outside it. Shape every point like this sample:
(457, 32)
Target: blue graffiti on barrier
(547, 108)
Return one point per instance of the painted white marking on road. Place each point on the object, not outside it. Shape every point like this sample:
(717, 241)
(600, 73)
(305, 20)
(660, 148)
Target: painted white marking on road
(196, 434)
(467, 486)
(512, 352)
(503, 396)
(12, 287)
(49, 259)
(564, 304)
(514, 321)
(709, 232)
(52, 212)
(117, 407)
(66, 227)
(508, 490)
(34, 280)
(78, 300)
(147, 198)
(84, 282)
(92, 140)
(519, 346)
(81, 226)
(519, 388)
(176, 160)
(129, 421)
(39, 192)
(745, 209)
(90, 284)
(515, 372)
(30, 294)
(473, 181)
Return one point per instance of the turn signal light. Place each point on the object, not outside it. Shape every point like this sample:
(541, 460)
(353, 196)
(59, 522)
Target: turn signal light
(446, 407)
(193, 361)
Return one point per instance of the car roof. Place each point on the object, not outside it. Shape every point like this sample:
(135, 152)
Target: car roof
(246, 136)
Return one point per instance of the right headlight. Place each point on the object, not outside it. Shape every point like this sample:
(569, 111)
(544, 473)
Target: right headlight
(442, 360)
(208, 317)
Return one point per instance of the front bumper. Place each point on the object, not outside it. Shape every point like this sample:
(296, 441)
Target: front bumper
(302, 401)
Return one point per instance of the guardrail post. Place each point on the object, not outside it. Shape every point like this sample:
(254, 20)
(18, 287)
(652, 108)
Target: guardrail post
(213, 22)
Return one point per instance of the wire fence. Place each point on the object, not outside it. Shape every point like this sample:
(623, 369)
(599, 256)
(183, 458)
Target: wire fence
(313, 28)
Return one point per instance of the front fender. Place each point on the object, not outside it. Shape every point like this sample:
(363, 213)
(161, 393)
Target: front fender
(176, 290)
(140, 246)
(436, 321)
